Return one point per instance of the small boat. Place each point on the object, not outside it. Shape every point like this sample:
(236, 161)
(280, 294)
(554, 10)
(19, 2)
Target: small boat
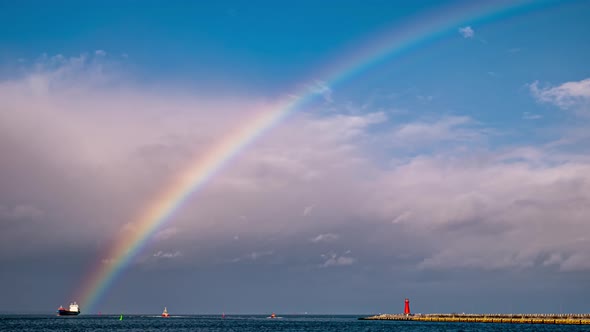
(165, 313)
(121, 317)
(73, 311)
(272, 316)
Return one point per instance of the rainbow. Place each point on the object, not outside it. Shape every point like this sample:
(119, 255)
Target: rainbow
(401, 38)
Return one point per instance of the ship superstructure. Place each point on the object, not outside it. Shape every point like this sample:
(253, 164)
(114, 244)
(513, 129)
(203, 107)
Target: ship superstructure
(74, 310)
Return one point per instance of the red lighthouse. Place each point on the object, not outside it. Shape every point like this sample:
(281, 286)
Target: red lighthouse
(407, 308)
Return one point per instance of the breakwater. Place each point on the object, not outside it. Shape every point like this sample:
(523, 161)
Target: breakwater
(570, 319)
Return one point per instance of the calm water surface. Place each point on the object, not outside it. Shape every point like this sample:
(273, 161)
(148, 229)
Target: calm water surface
(248, 323)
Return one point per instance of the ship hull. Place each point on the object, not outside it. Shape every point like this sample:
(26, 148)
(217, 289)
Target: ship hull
(67, 313)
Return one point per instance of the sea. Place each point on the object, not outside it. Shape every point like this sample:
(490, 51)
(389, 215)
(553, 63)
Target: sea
(249, 323)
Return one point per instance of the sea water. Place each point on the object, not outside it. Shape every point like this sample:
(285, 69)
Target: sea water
(251, 323)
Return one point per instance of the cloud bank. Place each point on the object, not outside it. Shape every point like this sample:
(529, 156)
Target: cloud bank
(84, 150)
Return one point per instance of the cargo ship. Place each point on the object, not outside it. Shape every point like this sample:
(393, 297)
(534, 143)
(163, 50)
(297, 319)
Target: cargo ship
(73, 311)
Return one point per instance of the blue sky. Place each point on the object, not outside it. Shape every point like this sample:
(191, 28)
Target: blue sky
(266, 50)
(459, 167)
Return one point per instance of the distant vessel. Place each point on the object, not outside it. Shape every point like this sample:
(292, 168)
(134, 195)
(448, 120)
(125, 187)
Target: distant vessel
(165, 313)
(73, 311)
(273, 315)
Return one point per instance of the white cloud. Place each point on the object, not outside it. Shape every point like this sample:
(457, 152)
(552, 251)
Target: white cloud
(449, 128)
(108, 261)
(321, 88)
(100, 52)
(307, 211)
(426, 99)
(20, 211)
(402, 217)
(531, 116)
(166, 233)
(345, 127)
(573, 95)
(253, 256)
(327, 237)
(128, 227)
(332, 260)
(162, 254)
(259, 254)
(467, 32)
